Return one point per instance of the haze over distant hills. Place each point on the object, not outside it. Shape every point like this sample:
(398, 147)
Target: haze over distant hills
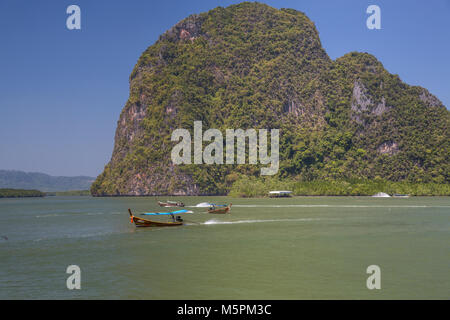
(43, 182)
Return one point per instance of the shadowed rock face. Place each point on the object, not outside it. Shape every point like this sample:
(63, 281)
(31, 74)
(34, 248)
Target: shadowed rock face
(253, 66)
(430, 100)
(188, 29)
(389, 148)
(362, 103)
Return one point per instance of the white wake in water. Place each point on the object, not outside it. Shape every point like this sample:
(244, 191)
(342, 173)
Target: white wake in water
(329, 206)
(214, 221)
(202, 205)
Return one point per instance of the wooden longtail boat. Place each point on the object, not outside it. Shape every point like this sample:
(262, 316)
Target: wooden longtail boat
(171, 204)
(139, 222)
(220, 209)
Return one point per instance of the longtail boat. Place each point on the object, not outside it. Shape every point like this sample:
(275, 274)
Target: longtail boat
(140, 222)
(214, 209)
(171, 204)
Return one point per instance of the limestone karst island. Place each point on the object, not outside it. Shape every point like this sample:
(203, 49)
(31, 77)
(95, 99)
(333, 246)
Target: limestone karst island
(347, 126)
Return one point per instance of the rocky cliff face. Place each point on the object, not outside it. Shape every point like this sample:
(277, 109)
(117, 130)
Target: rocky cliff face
(253, 66)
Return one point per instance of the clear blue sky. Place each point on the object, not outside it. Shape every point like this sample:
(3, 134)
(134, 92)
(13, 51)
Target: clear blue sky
(62, 91)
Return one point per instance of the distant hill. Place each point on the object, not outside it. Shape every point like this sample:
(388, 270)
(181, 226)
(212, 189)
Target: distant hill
(33, 180)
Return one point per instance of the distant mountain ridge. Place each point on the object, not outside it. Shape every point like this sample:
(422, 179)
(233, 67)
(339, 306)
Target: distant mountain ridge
(34, 180)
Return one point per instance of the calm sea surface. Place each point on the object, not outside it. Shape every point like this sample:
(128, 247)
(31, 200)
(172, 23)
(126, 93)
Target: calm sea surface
(297, 248)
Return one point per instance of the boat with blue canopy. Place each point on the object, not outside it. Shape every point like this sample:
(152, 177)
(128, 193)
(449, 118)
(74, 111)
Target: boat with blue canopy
(165, 213)
(176, 221)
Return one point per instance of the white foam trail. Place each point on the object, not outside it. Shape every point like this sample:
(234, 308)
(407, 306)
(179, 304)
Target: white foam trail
(202, 205)
(72, 214)
(323, 206)
(258, 221)
(80, 236)
(49, 215)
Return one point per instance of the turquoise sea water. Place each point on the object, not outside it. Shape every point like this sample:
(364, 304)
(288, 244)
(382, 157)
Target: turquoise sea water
(295, 248)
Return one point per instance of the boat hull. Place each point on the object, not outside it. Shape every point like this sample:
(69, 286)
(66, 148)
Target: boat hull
(149, 223)
(220, 210)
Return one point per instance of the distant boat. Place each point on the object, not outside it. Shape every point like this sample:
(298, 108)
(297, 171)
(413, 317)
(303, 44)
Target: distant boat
(396, 195)
(171, 204)
(208, 204)
(381, 195)
(176, 221)
(219, 210)
(279, 194)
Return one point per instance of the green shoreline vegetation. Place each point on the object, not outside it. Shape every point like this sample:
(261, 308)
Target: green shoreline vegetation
(25, 193)
(253, 187)
(20, 193)
(260, 187)
(72, 193)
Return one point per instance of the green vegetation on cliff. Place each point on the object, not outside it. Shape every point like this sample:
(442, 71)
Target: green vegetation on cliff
(253, 66)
